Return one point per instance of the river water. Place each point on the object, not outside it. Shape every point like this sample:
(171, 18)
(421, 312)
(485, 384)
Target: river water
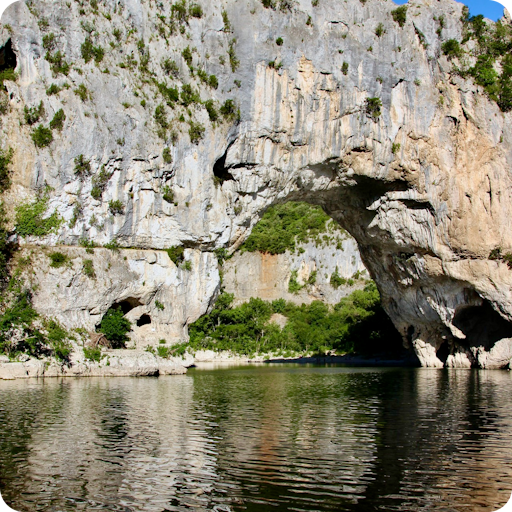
(258, 438)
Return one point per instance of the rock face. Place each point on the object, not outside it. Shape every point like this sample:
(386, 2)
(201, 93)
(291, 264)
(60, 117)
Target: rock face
(425, 216)
(267, 276)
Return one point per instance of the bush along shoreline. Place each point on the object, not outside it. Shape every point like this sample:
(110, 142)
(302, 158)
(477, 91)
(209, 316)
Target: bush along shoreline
(356, 325)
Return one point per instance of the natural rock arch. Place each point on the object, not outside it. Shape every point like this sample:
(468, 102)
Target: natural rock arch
(424, 187)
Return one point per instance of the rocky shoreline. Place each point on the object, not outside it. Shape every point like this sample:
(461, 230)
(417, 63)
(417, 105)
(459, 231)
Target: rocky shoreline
(115, 363)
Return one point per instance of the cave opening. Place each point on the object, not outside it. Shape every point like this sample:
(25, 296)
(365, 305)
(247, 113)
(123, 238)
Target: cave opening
(127, 305)
(482, 325)
(220, 172)
(8, 63)
(145, 319)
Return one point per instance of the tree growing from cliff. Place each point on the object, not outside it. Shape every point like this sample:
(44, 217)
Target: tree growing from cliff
(115, 326)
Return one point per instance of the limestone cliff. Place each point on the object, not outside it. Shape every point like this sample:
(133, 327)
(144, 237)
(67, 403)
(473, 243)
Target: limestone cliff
(422, 181)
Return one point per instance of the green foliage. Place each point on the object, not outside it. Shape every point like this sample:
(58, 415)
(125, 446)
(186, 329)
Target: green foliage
(5, 161)
(34, 341)
(42, 136)
(225, 19)
(57, 123)
(33, 114)
(6, 247)
(212, 111)
(336, 280)
(89, 51)
(57, 63)
(492, 47)
(344, 68)
(484, 73)
(113, 245)
(93, 354)
(189, 95)
(187, 55)
(49, 42)
(293, 284)
(195, 11)
(31, 218)
(166, 155)
(115, 327)
(179, 11)
(279, 41)
(228, 110)
(170, 67)
(196, 132)
(99, 183)
(372, 107)
(395, 148)
(159, 305)
(88, 244)
(380, 30)
(57, 339)
(164, 352)
(82, 166)
(82, 92)
(161, 117)
(186, 265)
(176, 254)
(170, 94)
(400, 15)
(7, 74)
(88, 268)
(58, 259)
(233, 60)
(497, 255)
(167, 194)
(356, 323)
(452, 48)
(282, 226)
(116, 207)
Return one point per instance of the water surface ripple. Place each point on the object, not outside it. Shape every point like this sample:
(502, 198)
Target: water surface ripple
(258, 438)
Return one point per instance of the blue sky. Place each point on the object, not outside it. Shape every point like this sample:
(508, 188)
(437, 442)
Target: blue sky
(490, 9)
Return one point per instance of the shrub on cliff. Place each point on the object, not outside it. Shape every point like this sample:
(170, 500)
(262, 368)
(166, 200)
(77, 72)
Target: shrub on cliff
(57, 122)
(115, 326)
(176, 254)
(400, 15)
(5, 161)
(373, 108)
(32, 219)
(451, 48)
(42, 136)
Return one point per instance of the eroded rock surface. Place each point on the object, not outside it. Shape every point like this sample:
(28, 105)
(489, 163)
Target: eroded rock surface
(425, 217)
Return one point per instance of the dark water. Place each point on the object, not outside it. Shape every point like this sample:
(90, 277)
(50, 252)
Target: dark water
(283, 438)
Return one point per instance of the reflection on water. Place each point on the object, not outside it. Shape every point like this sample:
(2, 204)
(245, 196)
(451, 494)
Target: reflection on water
(260, 438)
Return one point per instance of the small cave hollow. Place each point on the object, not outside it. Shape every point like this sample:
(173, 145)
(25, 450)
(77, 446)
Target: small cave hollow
(220, 172)
(127, 305)
(443, 352)
(145, 319)
(7, 57)
(482, 325)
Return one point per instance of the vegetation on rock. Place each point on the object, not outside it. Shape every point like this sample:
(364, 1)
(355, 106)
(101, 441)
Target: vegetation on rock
(32, 219)
(282, 226)
(115, 327)
(356, 324)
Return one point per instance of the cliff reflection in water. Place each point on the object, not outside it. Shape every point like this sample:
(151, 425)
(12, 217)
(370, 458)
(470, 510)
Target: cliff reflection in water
(258, 438)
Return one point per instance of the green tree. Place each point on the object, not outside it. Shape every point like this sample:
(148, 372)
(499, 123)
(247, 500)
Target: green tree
(115, 327)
